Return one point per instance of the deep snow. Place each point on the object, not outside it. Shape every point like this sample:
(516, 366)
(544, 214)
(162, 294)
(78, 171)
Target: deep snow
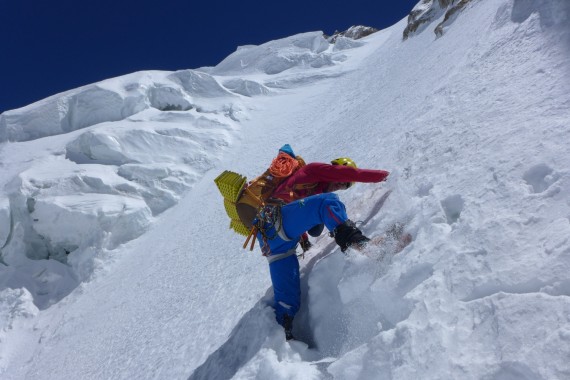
(117, 260)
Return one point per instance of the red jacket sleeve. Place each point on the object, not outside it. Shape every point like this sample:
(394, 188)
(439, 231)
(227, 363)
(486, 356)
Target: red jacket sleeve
(319, 172)
(320, 175)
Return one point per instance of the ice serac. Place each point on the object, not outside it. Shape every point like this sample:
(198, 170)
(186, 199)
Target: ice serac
(110, 101)
(277, 56)
(71, 221)
(246, 87)
(67, 112)
(198, 84)
(121, 152)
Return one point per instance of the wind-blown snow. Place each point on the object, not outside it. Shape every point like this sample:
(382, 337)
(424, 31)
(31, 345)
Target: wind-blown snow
(118, 262)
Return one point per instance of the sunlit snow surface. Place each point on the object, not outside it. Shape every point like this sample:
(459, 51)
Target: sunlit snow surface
(116, 257)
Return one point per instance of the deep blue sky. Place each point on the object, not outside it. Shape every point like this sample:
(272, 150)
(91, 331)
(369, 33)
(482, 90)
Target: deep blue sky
(48, 47)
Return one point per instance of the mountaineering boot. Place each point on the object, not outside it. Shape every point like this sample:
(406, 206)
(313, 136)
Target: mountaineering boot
(347, 235)
(288, 327)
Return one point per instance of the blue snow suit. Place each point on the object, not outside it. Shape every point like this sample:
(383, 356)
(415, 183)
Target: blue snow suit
(281, 238)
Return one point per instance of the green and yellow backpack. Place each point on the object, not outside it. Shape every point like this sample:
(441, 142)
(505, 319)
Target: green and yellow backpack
(243, 200)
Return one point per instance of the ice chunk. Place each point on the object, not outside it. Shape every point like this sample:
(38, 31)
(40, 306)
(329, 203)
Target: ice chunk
(75, 220)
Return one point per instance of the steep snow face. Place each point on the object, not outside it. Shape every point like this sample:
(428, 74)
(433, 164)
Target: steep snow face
(428, 11)
(479, 177)
(472, 126)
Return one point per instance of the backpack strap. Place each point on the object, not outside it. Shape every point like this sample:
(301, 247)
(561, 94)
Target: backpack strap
(253, 233)
(270, 215)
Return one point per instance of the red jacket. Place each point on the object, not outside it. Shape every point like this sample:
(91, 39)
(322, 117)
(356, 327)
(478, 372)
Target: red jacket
(314, 179)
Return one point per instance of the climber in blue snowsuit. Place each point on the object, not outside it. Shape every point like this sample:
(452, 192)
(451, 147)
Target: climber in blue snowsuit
(280, 242)
(308, 208)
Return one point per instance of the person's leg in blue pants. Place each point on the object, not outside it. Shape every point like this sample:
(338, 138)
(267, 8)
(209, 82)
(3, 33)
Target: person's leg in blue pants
(286, 287)
(297, 217)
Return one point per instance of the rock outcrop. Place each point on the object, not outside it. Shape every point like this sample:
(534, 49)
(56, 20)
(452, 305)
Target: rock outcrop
(426, 11)
(354, 32)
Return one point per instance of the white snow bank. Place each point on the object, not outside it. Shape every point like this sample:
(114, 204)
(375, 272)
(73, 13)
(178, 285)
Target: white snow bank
(15, 303)
(67, 206)
(94, 190)
(144, 143)
(506, 336)
(264, 354)
(110, 100)
(160, 160)
(166, 98)
(47, 281)
(246, 87)
(72, 220)
(16, 306)
(67, 112)
(284, 363)
(198, 84)
(301, 50)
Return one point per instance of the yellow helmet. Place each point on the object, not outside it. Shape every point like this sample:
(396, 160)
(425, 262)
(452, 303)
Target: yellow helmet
(344, 161)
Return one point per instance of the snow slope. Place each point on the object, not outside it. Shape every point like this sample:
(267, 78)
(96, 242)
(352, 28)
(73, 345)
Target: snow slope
(105, 278)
